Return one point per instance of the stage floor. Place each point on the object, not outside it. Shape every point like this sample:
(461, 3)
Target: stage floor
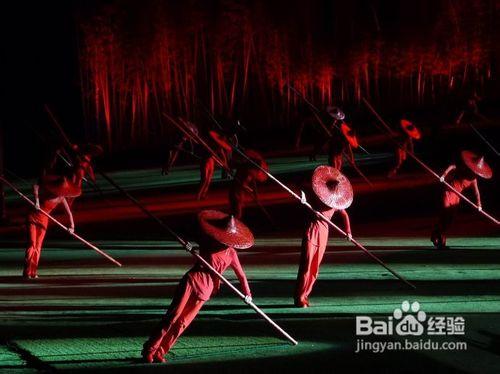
(84, 313)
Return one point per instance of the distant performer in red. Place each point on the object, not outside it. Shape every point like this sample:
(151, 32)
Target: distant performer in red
(410, 133)
(470, 113)
(51, 191)
(341, 144)
(220, 145)
(331, 191)
(245, 182)
(221, 235)
(180, 146)
(461, 177)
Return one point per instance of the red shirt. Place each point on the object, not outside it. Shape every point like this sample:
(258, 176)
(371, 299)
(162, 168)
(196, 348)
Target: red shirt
(205, 283)
(460, 184)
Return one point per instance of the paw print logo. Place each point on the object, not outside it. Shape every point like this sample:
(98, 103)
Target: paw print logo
(410, 319)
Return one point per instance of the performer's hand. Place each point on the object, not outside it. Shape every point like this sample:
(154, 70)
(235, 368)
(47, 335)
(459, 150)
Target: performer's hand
(71, 230)
(479, 207)
(349, 236)
(303, 199)
(189, 247)
(37, 205)
(248, 299)
(441, 178)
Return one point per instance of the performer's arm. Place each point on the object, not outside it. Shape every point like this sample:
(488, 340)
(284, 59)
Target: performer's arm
(70, 216)
(447, 171)
(478, 195)
(238, 270)
(347, 223)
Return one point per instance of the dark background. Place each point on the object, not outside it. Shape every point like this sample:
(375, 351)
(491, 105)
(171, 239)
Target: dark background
(41, 64)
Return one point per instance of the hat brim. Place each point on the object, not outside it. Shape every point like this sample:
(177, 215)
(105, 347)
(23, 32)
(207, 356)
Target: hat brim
(213, 224)
(332, 187)
(471, 160)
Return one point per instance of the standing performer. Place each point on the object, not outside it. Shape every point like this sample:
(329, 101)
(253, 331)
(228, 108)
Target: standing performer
(461, 177)
(221, 235)
(341, 144)
(331, 191)
(207, 166)
(51, 191)
(410, 133)
(245, 182)
(470, 111)
(341, 140)
(173, 152)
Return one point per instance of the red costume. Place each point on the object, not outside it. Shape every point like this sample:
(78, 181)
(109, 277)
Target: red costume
(51, 191)
(200, 283)
(195, 288)
(340, 145)
(245, 182)
(173, 152)
(410, 133)
(313, 248)
(315, 238)
(207, 166)
(37, 224)
(461, 179)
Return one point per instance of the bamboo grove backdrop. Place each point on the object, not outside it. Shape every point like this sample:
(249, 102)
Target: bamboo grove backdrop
(141, 58)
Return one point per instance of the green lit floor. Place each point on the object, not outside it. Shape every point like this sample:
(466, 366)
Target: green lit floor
(84, 314)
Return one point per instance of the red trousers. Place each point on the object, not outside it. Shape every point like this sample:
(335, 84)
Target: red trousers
(438, 236)
(336, 160)
(313, 248)
(207, 168)
(184, 307)
(36, 234)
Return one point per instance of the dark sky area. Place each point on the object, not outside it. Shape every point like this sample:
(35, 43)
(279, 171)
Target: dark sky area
(42, 58)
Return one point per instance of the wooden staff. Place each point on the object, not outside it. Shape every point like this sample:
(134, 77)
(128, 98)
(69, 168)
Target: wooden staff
(421, 163)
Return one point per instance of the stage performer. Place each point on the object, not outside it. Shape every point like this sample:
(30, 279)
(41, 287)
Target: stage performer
(245, 182)
(222, 148)
(409, 134)
(174, 150)
(330, 192)
(470, 113)
(341, 144)
(50, 192)
(461, 177)
(221, 235)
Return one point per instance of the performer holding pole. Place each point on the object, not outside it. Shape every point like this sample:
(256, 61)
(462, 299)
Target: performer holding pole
(461, 177)
(245, 183)
(173, 152)
(50, 192)
(330, 192)
(207, 166)
(304, 201)
(409, 134)
(221, 235)
(427, 168)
